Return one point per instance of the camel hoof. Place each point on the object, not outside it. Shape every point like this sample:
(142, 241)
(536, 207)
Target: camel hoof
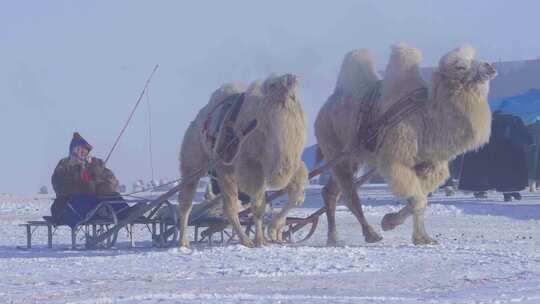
(371, 236)
(331, 239)
(184, 244)
(331, 242)
(261, 242)
(389, 221)
(275, 230)
(275, 235)
(424, 240)
(248, 243)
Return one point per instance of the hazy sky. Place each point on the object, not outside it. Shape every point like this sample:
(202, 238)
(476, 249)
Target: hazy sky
(79, 65)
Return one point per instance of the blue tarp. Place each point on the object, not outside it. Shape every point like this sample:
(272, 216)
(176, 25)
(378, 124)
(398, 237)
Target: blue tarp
(526, 106)
(79, 206)
(308, 156)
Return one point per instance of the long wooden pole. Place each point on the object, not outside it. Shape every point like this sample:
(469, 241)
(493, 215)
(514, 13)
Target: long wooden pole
(132, 112)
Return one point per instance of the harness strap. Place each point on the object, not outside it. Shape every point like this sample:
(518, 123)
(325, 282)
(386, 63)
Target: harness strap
(404, 107)
(228, 152)
(368, 110)
(226, 142)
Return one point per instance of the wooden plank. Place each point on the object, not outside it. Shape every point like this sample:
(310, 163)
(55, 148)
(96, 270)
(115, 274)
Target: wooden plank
(49, 236)
(28, 237)
(73, 238)
(36, 223)
(130, 231)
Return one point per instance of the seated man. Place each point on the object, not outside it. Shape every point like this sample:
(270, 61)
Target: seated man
(81, 182)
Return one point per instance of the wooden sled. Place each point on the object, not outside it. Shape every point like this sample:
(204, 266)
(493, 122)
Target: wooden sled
(93, 226)
(296, 230)
(168, 231)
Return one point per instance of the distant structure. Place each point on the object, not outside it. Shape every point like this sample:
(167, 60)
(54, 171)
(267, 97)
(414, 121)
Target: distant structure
(138, 186)
(43, 190)
(122, 188)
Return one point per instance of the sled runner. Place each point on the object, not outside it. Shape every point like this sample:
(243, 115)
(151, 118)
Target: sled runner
(296, 229)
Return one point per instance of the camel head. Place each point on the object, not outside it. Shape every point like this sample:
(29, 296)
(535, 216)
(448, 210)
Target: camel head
(280, 89)
(459, 69)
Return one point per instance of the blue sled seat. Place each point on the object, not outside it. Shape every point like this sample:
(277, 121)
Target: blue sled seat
(82, 208)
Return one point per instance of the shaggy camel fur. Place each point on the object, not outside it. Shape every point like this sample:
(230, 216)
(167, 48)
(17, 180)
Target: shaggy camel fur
(268, 157)
(413, 155)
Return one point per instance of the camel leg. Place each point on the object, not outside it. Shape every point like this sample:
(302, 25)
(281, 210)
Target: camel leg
(185, 199)
(250, 176)
(295, 197)
(420, 236)
(229, 190)
(345, 178)
(331, 194)
(416, 207)
(394, 219)
(192, 159)
(275, 231)
(418, 203)
(405, 183)
(259, 208)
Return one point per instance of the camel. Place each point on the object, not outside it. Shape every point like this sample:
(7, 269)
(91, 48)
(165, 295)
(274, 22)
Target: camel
(268, 157)
(412, 155)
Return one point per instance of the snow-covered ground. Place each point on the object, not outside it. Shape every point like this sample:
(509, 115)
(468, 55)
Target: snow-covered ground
(489, 252)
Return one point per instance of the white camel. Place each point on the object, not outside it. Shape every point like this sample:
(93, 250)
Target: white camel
(268, 157)
(412, 155)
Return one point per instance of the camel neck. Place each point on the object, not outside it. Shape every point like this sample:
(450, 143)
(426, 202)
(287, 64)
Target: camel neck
(456, 125)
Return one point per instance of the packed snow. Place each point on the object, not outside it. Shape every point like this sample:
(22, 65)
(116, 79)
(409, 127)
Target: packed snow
(489, 252)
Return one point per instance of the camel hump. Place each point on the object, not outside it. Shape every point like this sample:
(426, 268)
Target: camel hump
(358, 73)
(402, 74)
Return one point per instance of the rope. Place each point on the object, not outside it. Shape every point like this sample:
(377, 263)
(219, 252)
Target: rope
(132, 112)
(150, 133)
